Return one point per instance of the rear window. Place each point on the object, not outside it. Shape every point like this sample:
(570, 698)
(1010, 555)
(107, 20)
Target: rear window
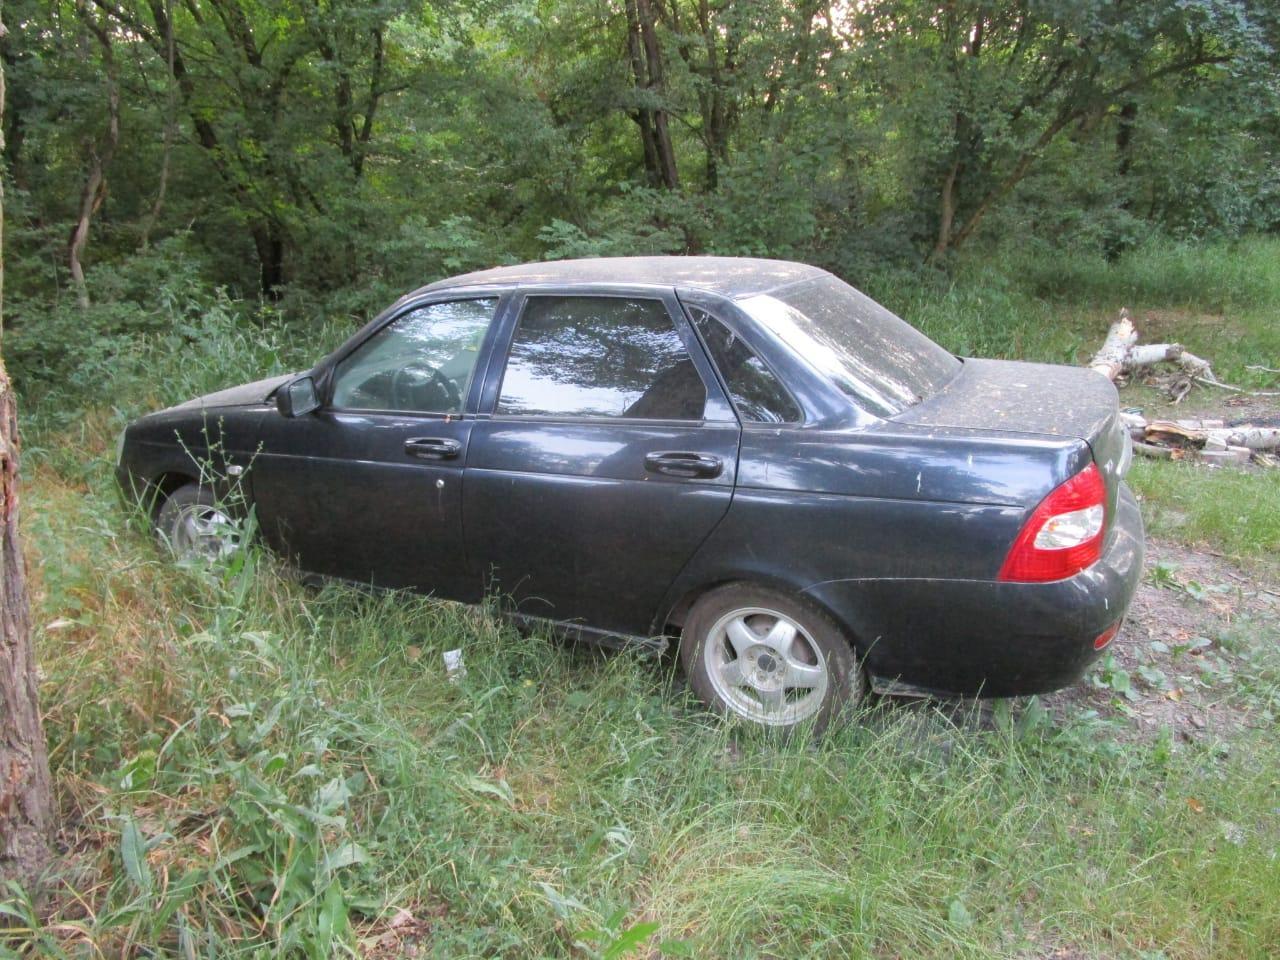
(879, 360)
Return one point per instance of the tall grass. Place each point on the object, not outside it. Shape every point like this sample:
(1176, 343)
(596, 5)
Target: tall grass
(248, 768)
(1219, 300)
(246, 765)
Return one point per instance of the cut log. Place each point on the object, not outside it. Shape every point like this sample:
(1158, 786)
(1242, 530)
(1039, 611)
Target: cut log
(1153, 451)
(1254, 438)
(1149, 354)
(1173, 430)
(1110, 358)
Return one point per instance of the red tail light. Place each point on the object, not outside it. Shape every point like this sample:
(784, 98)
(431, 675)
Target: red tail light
(1063, 534)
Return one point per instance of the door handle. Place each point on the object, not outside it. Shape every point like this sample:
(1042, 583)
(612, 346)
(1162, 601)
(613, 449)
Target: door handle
(432, 448)
(681, 464)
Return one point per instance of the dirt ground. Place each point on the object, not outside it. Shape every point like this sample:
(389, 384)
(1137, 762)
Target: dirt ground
(1179, 658)
(1180, 663)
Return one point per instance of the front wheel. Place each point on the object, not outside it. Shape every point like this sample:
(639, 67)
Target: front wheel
(776, 660)
(195, 527)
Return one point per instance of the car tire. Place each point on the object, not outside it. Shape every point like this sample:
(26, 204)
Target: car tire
(192, 524)
(769, 658)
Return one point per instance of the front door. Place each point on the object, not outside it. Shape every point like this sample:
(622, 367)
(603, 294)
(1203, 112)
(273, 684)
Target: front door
(369, 487)
(609, 457)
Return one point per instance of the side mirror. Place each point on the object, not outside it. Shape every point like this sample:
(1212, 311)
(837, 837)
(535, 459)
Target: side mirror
(298, 397)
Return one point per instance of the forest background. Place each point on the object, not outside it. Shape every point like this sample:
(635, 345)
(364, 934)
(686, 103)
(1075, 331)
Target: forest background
(204, 192)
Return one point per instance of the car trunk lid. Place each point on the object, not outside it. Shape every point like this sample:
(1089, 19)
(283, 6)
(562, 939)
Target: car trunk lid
(1034, 399)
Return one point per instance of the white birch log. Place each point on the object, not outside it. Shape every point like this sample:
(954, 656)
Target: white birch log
(1195, 367)
(1110, 358)
(1255, 438)
(1147, 354)
(1135, 424)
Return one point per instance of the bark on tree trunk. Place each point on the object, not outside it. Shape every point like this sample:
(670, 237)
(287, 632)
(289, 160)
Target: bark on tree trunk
(25, 794)
(948, 213)
(1116, 244)
(269, 242)
(646, 64)
(26, 800)
(661, 129)
(643, 116)
(1109, 360)
(95, 186)
(170, 128)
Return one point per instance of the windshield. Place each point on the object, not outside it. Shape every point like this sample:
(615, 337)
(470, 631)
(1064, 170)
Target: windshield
(882, 362)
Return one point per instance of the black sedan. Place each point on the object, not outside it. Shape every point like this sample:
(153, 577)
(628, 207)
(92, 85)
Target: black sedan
(749, 455)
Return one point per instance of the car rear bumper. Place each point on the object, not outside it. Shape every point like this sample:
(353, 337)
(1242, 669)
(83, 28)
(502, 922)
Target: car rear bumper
(971, 637)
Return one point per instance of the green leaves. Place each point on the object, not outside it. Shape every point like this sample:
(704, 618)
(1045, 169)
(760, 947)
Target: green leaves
(133, 854)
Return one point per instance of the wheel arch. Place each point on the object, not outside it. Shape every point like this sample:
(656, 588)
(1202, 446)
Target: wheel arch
(162, 486)
(677, 610)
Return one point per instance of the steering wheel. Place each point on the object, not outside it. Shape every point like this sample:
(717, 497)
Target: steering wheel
(420, 387)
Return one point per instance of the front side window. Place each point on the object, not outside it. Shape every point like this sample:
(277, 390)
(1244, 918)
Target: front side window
(757, 394)
(600, 357)
(422, 362)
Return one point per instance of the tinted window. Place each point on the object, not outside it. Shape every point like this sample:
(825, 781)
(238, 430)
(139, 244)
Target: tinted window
(600, 357)
(757, 393)
(873, 356)
(422, 362)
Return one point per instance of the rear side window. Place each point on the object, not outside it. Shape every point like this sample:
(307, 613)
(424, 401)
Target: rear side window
(757, 394)
(880, 361)
(600, 357)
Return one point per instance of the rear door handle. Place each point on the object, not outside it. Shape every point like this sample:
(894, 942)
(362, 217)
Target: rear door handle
(432, 448)
(682, 464)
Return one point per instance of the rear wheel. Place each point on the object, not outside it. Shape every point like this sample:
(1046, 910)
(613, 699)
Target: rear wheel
(770, 658)
(195, 527)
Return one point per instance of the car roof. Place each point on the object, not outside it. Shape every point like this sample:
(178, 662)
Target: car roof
(729, 276)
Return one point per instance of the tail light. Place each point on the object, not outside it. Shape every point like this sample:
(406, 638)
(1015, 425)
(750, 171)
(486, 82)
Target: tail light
(1063, 534)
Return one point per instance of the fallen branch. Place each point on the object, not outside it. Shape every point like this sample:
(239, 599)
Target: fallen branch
(1231, 388)
(1121, 353)
(1110, 358)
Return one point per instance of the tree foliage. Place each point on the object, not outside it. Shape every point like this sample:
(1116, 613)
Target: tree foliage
(324, 156)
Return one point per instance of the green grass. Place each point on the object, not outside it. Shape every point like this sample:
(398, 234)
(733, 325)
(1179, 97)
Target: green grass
(243, 764)
(1218, 300)
(248, 768)
(1228, 510)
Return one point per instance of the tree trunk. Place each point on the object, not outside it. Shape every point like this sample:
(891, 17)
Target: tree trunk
(269, 241)
(947, 214)
(1115, 244)
(170, 129)
(91, 198)
(26, 800)
(646, 66)
(657, 82)
(95, 186)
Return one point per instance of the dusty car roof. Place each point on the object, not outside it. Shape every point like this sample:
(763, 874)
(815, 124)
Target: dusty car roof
(730, 276)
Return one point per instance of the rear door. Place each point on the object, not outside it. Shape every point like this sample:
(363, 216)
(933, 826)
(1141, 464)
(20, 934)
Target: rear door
(369, 487)
(604, 454)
